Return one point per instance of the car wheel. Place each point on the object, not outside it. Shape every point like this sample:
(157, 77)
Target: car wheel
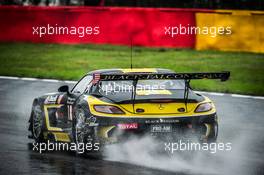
(82, 133)
(37, 124)
(214, 133)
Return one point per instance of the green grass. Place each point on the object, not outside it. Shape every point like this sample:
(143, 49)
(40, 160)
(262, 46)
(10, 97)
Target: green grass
(72, 61)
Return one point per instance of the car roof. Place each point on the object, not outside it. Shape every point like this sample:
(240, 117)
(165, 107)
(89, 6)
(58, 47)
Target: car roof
(133, 70)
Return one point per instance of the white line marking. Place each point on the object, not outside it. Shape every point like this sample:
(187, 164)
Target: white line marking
(51, 93)
(216, 93)
(29, 79)
(70, 82)
(50, 80)
(241, 96)
(258, 97)
(11, 78)
(201, 92)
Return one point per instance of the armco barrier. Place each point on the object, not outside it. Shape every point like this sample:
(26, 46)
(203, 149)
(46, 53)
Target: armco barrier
(247, 31)
(117, 25)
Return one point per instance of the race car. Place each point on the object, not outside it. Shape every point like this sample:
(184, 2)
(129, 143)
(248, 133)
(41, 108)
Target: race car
(110, 105)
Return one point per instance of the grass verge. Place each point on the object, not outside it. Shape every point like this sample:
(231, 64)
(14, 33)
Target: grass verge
(72, 61)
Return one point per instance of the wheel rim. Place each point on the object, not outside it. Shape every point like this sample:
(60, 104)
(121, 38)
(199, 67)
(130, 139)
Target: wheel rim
(37, 122)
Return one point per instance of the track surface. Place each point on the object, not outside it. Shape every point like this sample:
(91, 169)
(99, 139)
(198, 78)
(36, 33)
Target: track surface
(241, 122)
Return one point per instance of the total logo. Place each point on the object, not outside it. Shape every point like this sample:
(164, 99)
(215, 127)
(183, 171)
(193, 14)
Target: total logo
(125, 126)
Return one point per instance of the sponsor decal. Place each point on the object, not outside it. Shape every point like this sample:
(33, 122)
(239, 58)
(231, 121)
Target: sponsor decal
(127, 126)
(70, 100)
(162, 121)
(51, 99)
(220, 75)
(161, 128)
(91, 121)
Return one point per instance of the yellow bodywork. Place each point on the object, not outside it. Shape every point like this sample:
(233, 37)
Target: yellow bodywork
(46, 107)
(151, 110)
(153, 92)
(58, 133)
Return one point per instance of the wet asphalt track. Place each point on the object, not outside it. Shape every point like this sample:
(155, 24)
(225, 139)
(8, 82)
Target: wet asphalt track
(241, 122)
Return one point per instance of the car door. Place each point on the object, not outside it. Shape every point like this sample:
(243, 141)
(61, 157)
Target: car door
(65, 111)
(81, 87)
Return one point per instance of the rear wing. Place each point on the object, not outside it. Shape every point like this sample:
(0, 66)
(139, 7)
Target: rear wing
(187, 77)
(223, 76)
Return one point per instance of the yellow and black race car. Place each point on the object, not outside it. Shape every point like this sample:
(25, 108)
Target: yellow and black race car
(110, 105)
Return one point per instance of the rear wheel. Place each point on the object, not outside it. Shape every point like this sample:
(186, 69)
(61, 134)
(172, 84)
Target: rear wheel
(209, 132)
(84, 135)
(214, 133)
(37, 124)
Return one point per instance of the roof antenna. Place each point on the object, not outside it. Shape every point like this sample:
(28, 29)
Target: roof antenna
(131, 47)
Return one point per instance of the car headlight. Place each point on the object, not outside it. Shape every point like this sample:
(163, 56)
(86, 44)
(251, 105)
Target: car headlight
(108, 109)
(204, 107)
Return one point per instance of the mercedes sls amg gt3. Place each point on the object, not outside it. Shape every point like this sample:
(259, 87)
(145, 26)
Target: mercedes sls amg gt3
(108, 106)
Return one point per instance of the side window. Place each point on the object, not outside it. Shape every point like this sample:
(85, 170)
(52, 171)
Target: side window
(83, 84)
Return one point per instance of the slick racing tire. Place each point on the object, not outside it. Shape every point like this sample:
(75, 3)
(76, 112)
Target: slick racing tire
(84, 135)
(37, 123)
(214, 133)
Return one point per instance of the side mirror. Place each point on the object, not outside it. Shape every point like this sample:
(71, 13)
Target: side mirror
(64, 88)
